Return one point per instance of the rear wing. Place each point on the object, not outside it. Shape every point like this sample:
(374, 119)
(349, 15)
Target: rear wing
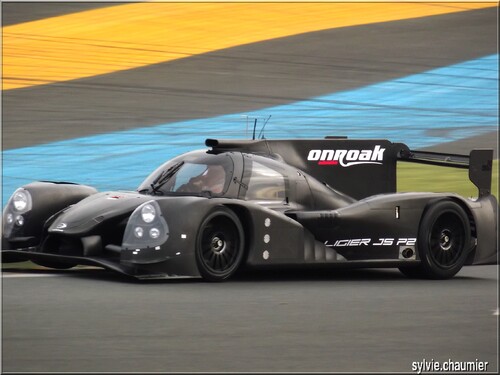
(358, 167)
(479, 163)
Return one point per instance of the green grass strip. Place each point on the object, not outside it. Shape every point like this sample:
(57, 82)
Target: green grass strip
(421, 177)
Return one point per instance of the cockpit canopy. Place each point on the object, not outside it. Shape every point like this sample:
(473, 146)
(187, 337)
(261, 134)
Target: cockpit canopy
(245, 176)
(196, 172)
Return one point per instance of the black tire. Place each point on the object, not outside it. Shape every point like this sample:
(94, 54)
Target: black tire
(219, 245)
(54, 264)
(444, 242)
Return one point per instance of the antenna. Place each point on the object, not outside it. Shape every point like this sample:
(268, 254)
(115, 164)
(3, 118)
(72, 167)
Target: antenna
(263, 126)
(254, 126)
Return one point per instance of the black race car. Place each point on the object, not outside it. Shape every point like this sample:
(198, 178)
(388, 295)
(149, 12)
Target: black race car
(261, 203)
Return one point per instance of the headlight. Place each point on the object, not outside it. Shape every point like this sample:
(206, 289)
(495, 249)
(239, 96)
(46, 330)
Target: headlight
(148, 213)
(139, 232)
(9, 219)
(154, 233)
(146, 227)
(18, 205)
(20, 200)
(20, 220)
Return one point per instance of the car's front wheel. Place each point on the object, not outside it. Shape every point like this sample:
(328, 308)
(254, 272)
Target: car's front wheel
(444, 241)
(220, 245)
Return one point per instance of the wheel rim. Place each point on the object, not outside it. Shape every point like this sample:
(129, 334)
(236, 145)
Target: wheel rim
(219, 245)
(447, 240)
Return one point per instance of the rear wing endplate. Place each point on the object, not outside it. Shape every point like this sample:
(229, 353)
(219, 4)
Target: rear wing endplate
(479, 163)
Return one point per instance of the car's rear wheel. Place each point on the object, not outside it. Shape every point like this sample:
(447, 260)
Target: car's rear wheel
(220, 245)
(444, 241)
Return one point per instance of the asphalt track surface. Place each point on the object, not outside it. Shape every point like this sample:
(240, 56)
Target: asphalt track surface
(336, 321)
(245, 78)
(88, 320)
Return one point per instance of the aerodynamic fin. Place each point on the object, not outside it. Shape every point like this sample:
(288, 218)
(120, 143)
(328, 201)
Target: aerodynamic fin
(479, 163)
(357, 167)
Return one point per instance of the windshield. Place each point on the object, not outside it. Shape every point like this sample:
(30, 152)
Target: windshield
(192, 173)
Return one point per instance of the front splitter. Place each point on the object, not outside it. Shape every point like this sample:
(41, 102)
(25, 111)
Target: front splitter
(136, 271)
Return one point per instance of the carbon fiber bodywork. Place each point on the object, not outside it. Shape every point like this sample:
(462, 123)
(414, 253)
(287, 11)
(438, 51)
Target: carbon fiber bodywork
(283, 203)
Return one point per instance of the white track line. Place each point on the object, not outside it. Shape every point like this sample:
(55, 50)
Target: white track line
(17, 275)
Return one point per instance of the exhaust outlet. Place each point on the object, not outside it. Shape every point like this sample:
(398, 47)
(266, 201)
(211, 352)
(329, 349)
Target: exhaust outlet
(407, 253)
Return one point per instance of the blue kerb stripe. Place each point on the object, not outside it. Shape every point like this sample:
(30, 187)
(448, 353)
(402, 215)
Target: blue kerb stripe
(420, 110)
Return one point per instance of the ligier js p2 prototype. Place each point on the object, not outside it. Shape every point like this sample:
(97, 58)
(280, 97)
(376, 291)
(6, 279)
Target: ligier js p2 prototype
(261, 203)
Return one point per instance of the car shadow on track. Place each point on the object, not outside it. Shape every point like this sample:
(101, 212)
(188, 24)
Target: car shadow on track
(244, 276)
(328, 274)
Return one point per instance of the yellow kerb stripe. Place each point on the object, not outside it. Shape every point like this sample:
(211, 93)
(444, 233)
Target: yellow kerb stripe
(138, 34)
